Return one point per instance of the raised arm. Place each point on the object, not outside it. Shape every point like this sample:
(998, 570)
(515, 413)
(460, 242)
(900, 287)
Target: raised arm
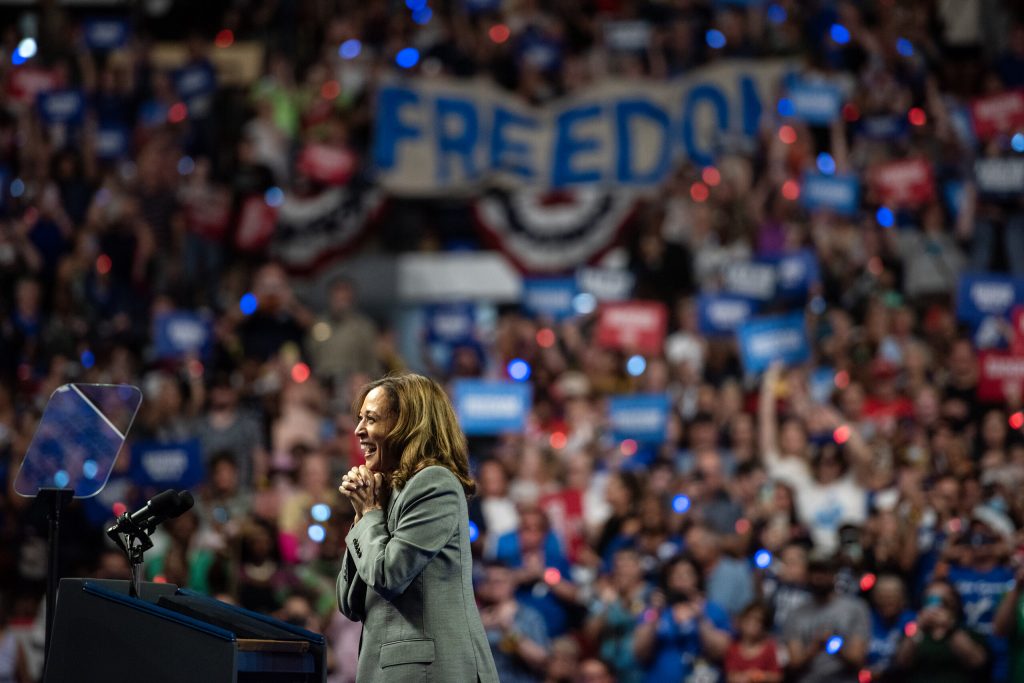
(389, 562)
(767, 422)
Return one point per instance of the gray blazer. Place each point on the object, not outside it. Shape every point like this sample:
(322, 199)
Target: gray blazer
(420, 621)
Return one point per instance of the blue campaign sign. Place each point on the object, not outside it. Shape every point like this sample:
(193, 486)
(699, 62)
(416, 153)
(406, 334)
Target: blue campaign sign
(182, 333)
(838, 193)
(478, 6)
(492, 407)
(195, 84)
(641, 417)
(815, 103)
(61, 106)
(999, 178)
(106, 33)
(764, 340)
(194, 79)
(450, 323)
(722, 314)
(112, 142)
(796, 273)
(549, 297)
(883, 127)
(177, 465)
(606, 284)
(751, 279)
(980, 295)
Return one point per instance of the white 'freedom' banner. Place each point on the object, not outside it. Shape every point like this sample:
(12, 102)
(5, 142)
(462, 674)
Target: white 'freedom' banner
(444, 136)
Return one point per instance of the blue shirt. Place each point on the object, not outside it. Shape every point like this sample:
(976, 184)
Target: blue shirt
(539, 596)
(677, 646)
(980, 593)
(529, 624)
(885, 638)
(731, 585)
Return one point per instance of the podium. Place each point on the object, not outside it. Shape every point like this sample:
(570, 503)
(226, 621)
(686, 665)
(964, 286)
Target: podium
(171, 635)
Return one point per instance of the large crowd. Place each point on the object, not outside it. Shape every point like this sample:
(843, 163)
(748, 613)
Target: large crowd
(870, 530)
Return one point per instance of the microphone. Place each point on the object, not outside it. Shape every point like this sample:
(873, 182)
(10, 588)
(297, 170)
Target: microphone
(161, 507)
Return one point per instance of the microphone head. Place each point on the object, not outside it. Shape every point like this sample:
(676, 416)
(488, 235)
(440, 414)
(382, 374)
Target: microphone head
(185, 503)
(163, 503)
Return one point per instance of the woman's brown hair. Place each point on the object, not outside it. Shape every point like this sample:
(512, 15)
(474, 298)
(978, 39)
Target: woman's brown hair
(426, 431)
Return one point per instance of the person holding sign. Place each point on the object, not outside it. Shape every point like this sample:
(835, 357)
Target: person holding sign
(407, 569)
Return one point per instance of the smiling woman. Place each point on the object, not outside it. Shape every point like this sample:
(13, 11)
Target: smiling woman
(410, 542)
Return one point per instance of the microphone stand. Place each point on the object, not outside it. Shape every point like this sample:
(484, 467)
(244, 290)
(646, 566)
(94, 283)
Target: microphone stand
(134, 541)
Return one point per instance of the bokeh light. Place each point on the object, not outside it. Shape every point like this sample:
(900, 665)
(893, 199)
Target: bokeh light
(518, 369)
(248, 303)
(321, 512)
(407, 58)
(839, 34)
(300, 373)
(499, 33)
(762, 559)
(350, 49)
(885, 217)
(715, 39)
(225, 38)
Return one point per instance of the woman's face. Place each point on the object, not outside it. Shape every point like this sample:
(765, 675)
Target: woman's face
(373, 424)
(683, 578)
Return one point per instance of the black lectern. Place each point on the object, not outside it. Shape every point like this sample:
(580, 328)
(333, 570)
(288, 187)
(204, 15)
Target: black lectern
(171, 635)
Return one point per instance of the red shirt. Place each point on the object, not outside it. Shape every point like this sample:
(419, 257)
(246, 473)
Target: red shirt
(763, 660)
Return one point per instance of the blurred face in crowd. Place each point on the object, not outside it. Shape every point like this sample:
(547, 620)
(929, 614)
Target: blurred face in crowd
(594, 671)
(342, 298)
(926, 406)
(851, 401)
(298, 612)
(373, 425)
(315, 473)
(703, 434)
(888, 596)
(617, 494)
(682, 581)
(963, 365)
(565, 658)
(993, 429)
(532, 529)
(626, 570)
(793, 565)
(741, 433)
(821, 581)
(792, 437)
(578, 471)
(782, 497)
(828, 466)
(938, 607)
(493, 482)
(271, 287)
(223, 397)
(752, 624)
(499, 585)
(983, 542)
(702, 545)
(225, 476)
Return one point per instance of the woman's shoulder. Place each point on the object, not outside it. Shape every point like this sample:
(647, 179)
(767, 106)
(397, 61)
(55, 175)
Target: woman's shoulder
(433, 477)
